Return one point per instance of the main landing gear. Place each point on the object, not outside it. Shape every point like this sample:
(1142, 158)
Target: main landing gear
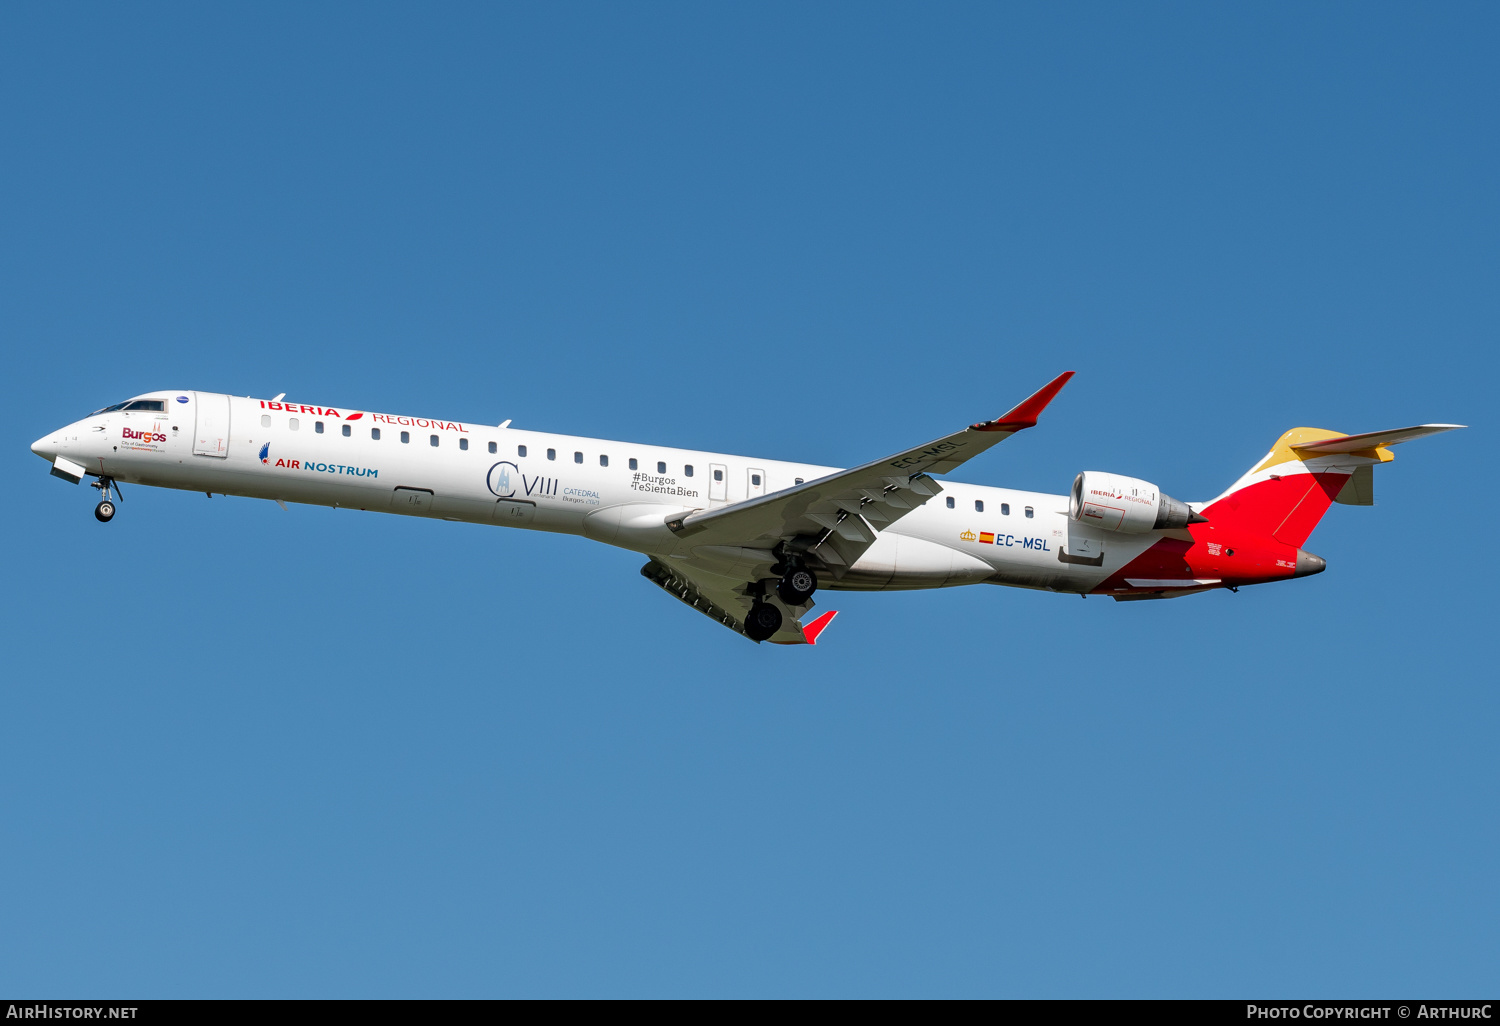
(105, 511)
(796, 586)
(762, 621)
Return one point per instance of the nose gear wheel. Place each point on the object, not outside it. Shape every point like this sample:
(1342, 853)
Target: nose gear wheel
(105, 511)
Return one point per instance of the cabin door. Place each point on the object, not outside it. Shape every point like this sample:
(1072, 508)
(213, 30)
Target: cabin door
(211, 433)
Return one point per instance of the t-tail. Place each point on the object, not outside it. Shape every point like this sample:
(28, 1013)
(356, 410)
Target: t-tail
(1307, 470)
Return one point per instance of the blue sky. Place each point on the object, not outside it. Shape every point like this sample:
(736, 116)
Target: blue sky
(250, 752)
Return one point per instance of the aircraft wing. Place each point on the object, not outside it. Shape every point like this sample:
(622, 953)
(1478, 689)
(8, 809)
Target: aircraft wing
(726, 601)
(835, 518)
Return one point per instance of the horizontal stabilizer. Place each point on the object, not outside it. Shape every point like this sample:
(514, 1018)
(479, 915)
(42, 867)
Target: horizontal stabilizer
(1374, 439)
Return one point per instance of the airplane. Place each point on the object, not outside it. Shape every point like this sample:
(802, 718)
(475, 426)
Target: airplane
(746, 541)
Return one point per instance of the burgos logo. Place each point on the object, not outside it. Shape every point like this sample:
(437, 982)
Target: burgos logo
(143, 436)
(265, 453)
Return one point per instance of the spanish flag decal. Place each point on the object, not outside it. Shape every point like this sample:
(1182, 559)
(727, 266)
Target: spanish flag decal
(986, 538)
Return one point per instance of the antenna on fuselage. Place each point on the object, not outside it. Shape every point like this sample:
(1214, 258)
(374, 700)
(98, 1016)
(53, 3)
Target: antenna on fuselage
(279, 396)
(505, 423)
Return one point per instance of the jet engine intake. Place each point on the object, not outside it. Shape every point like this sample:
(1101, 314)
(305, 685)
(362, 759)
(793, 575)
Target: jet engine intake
(1112, 502)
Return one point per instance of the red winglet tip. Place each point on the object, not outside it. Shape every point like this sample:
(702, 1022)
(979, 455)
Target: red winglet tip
(812, 630)
(1026, 413)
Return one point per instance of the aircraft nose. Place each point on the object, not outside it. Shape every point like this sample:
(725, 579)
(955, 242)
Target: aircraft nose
(1308, 564)
(44, 448)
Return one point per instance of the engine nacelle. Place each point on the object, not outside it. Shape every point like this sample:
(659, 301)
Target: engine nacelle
(1111, 502)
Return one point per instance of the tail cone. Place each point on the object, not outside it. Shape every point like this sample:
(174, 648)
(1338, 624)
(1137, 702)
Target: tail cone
(1308, 564)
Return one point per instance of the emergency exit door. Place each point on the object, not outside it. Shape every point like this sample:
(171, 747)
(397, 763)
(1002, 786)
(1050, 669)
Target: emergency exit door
(211, 433)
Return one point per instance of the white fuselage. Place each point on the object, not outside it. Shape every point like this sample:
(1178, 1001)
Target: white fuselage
(617, 492)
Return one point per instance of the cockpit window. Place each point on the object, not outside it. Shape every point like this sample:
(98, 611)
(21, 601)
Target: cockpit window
(136, 405)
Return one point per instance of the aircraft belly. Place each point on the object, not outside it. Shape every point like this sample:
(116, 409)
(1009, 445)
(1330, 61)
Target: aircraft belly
(905, 562)
(1019, 551)
(639, 526)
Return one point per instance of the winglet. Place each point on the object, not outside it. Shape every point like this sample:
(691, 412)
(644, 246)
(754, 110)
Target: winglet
(812, 630)
(1025, 414)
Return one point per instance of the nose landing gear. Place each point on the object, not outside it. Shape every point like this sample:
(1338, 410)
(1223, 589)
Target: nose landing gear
(105, 511)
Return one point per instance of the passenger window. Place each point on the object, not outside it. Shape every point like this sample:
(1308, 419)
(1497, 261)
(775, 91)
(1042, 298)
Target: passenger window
(494, 447)
(432, 441)
(1030, 512)
(950, 502)
(348, 431)
(520, 450)
(405, 437)
(578, 457)
(292, 424)
(603, 461)
(755, 480)
(318, 426)
(718, 475)
(661, 468)
(552, 454)
(632, 463)
(1005, 509)
(463, 443)
(265, 420)
(978, 505)
(375, 434)
(687, 471)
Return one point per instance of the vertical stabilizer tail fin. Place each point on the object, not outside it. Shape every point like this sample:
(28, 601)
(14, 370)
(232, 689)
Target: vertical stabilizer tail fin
(1307, 470)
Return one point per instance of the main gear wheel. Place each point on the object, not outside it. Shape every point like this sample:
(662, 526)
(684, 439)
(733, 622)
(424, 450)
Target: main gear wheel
(762, 621)
(797, 586)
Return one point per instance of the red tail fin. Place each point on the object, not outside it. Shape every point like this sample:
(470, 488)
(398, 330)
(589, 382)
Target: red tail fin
(1285, 508)
(1286, 494)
